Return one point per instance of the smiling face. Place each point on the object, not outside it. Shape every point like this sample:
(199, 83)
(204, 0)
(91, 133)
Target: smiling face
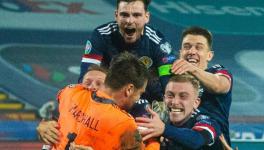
(195, 49)
(181, 98)
(131, 18)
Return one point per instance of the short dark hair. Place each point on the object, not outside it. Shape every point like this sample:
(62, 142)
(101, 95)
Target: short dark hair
(125, 68)
(186, 78)
(145, 2)
(195, 30)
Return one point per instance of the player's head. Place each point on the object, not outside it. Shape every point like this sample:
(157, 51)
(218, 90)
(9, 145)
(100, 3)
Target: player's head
(131, 16)
(196, 46)
(94, 77)
(127, 77)
(181, 97)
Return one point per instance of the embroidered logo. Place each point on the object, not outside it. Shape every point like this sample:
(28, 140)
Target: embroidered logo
(166, 47)
(146, 61)
(88, 47)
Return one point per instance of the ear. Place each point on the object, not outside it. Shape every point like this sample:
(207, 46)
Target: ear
(210, 55)
(116, 14)
(147, 17)
(129, 89)
(197, 102)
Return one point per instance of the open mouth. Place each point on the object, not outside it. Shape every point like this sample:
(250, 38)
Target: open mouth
(192, 60)
(130, 31)
(177, 110)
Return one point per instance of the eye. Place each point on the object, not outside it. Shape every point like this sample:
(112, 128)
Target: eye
(184, 96)
(124, 14)
(199, 47)
(137, 15)
(187, 46)
(99, 83)
(169, 95)
(87, 82)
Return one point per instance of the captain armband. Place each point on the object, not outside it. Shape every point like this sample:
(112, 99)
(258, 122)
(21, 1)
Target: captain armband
(164, 70)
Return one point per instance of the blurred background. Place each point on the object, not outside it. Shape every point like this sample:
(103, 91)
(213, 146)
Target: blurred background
(42, 42)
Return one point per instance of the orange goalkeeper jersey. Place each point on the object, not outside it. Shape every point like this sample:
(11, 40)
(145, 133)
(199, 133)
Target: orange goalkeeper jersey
(92, 119)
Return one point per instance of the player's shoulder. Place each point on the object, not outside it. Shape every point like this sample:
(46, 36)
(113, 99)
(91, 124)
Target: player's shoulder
(107, 28)
(72, 88)
(157, 39)
(69, 90)
(121, 113)
(153, 34)
(197, 115)
(217, 68)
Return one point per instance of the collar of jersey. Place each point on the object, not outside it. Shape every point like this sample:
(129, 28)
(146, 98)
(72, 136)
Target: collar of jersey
(102, 98)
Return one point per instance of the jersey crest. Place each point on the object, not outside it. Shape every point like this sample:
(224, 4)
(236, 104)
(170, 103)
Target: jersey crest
(146, 61)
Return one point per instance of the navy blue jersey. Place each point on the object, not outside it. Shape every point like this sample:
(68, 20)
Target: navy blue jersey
(199, 132)
(217, 106)
(152, 49)
(139, 109)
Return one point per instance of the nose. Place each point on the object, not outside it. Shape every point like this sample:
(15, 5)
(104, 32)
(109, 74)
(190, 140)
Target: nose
(92, 87)
(175, 101)
(130, 19)
(193, 50)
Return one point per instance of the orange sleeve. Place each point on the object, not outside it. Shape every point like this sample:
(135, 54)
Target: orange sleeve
(152, 144)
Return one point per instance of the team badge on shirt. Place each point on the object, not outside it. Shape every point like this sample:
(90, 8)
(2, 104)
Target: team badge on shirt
(88, 47)
(146, 61)
(166, 47)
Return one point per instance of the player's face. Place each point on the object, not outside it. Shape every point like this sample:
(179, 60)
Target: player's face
(131, 18)
(134, 96)
(195, 50)
(181, 99)
(94, 80)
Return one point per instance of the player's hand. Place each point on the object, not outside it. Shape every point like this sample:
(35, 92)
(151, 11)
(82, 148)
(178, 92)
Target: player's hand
(153, 127)
(182, 66)
(48, 132)
(73, 146)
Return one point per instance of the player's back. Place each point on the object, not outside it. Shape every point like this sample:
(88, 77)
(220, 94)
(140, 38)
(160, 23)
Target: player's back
(95, 120)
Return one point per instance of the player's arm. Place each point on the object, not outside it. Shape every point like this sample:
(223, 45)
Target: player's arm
(48, 132)
(48, 128)
(93, 53)
(215, 83)
(204, 132)
(165, 56)
(219, 82)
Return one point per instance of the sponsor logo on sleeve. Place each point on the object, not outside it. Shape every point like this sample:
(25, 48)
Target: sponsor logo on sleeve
(88, 47)
(169, 59)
